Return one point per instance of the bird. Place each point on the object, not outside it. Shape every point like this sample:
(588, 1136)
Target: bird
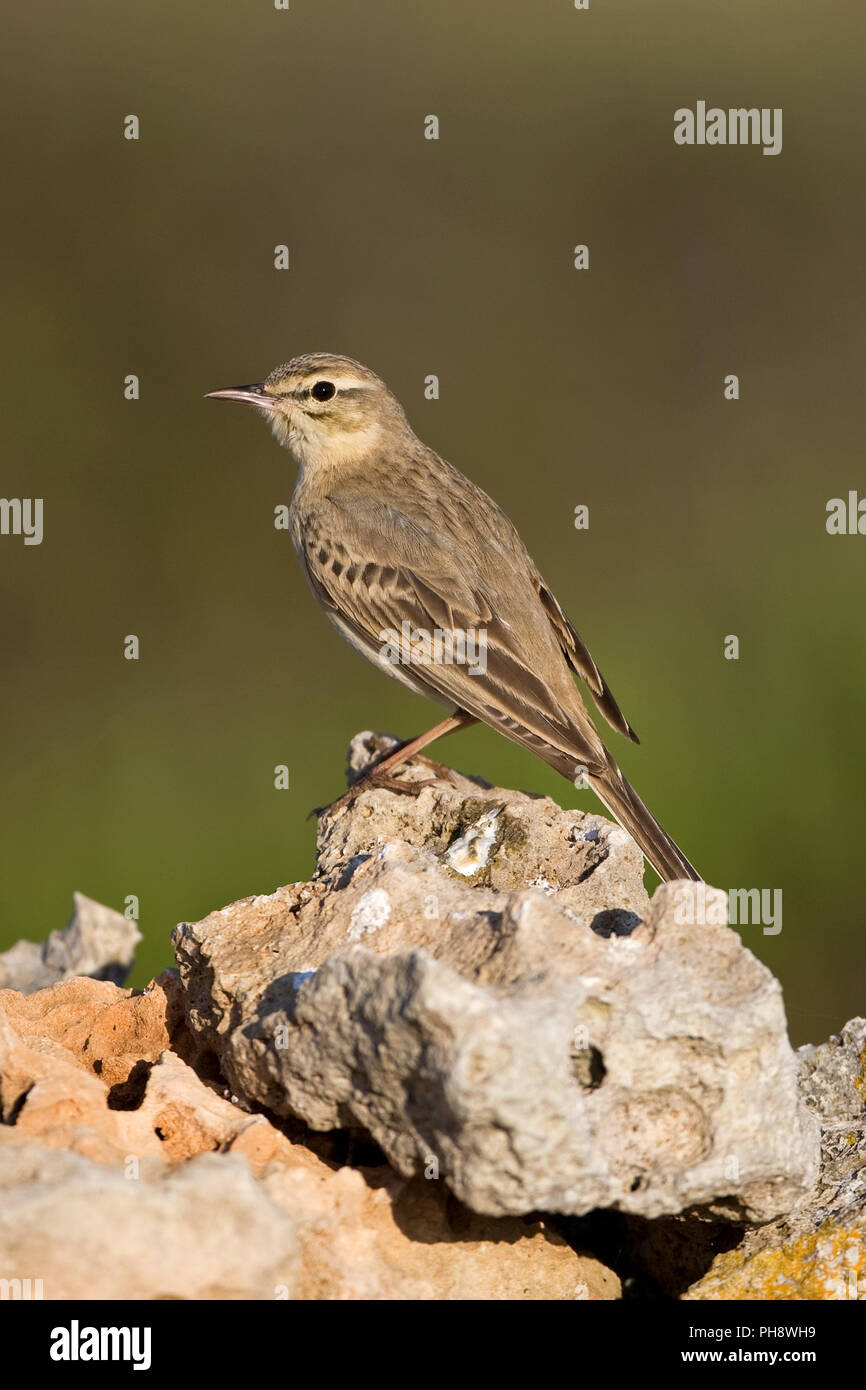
(395, 540)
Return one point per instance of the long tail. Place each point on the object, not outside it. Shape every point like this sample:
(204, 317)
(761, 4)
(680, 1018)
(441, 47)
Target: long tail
(623, 802)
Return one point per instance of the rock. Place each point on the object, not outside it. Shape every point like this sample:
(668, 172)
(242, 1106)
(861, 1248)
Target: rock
(494, 839)
(125, 1175)
(87, 1066)
(203, 1229)
(104, 1029)
(370, 1234)
(832, 1077)
(209, 1228)
(97, 941)
(475, 978)
(819, 1250)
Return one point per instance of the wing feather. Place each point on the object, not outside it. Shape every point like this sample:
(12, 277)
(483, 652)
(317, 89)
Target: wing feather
(579, 658)
(427, 588)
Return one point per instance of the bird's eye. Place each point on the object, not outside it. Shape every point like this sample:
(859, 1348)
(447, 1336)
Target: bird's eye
(324, 390)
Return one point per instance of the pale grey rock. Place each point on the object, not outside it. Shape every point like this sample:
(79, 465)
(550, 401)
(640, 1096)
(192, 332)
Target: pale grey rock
(215, 1228)
(818, 1251)
(97, 941)
(515, 840)
(535, 1031)
(833, 1077)
(203, 1229)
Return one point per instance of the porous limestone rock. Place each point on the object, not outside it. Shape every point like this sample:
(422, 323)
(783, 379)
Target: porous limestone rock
(87, 1066)
(203, 1229)
(818, 1251)
(97, 941)
(514, 1016)
(123, 1174)
(209, 1228)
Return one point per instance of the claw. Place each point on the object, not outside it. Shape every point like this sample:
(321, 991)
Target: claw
(391, 784)
(442, 772)
(375, 779)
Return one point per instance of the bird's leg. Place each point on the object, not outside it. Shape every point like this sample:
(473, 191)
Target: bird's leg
(404, 751)
(380, 774)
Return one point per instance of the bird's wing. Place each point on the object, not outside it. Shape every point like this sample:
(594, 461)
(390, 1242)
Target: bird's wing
(579, 658)
(385, 570)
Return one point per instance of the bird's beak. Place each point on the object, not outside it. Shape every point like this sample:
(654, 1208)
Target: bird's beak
(253, 395)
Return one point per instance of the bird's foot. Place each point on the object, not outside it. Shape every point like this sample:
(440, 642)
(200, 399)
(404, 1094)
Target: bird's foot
(441, 772)
(393, 784)
(389, 783)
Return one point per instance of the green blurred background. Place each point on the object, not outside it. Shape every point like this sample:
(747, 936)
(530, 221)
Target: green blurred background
(558, 387)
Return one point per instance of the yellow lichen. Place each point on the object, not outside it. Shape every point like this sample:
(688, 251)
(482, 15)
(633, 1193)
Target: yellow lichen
(829, 1263)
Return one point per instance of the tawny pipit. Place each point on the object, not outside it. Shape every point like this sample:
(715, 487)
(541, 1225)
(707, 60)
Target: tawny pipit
(395, 541)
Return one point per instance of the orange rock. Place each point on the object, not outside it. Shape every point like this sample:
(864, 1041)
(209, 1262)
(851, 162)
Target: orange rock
(89, 1068)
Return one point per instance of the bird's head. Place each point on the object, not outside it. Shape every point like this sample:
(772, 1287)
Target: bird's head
(327, 409)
